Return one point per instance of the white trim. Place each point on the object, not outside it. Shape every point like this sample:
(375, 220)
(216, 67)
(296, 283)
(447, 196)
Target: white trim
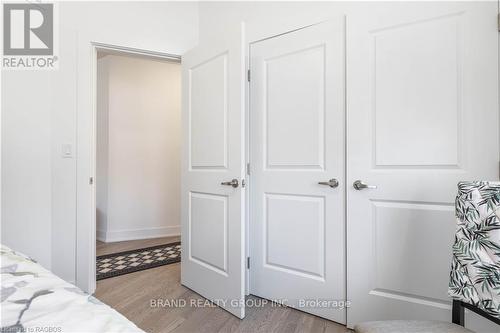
(133, 51)
(86, 157)
(134, 234)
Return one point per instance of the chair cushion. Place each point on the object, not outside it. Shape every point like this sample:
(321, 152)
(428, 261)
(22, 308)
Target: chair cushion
(409, 326)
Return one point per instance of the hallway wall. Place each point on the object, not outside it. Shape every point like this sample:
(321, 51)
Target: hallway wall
(138, 148)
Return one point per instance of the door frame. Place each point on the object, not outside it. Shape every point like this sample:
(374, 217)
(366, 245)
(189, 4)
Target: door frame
(85, 252)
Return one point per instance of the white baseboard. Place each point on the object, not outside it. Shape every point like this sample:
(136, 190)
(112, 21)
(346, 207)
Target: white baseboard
(101, 235)
(133, 234)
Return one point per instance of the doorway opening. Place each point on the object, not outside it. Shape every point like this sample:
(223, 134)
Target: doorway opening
(137, 150)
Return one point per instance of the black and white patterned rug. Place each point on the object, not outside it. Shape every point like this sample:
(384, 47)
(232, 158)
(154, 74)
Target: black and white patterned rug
(115, 264)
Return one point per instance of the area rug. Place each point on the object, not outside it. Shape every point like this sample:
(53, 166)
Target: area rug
(111, 265)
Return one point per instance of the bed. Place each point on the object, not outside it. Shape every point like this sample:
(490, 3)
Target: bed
(35, 300)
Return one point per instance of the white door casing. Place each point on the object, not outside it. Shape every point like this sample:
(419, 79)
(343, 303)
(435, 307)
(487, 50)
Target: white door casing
(422, 114)
(212, 153)
(297, 140)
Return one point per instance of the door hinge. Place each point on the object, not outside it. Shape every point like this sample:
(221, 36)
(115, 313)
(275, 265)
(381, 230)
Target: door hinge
(248, 262)
(248, 75)
(248, 169)
(498, 21)
(91, 180)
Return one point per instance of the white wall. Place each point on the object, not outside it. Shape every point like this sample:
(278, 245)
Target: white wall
(42, 110)
(138, 194)
(26, 164)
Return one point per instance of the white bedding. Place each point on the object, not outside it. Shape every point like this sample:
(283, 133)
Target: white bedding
(35, 300)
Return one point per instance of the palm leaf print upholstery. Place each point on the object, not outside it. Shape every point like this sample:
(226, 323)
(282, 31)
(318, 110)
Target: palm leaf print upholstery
(475, 270)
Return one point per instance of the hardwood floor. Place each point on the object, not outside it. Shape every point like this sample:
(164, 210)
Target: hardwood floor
(134, 294)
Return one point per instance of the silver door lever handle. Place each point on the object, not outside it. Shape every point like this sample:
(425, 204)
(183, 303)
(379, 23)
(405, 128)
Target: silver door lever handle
(234, 183)
(359, 185)
(332, 183)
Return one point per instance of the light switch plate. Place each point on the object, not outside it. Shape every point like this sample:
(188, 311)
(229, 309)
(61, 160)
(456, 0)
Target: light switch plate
(67, 150)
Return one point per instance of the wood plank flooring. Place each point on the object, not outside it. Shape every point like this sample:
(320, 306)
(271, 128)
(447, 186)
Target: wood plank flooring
(133, 294)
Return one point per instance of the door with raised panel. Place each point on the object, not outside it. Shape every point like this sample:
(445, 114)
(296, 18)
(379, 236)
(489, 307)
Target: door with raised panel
(297, 141)
(212, 200)
(422, 111)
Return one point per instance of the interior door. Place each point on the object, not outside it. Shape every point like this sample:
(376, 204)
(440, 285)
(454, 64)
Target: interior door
(422, 112)
(297, 169)
(212, 169)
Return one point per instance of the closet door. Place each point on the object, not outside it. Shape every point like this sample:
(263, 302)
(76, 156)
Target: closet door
(422, 108)
(212, 200)
(297, 169)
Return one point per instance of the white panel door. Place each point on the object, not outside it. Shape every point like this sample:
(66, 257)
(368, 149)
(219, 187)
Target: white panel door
(297, 140)
(422, 113)
(212, 153)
